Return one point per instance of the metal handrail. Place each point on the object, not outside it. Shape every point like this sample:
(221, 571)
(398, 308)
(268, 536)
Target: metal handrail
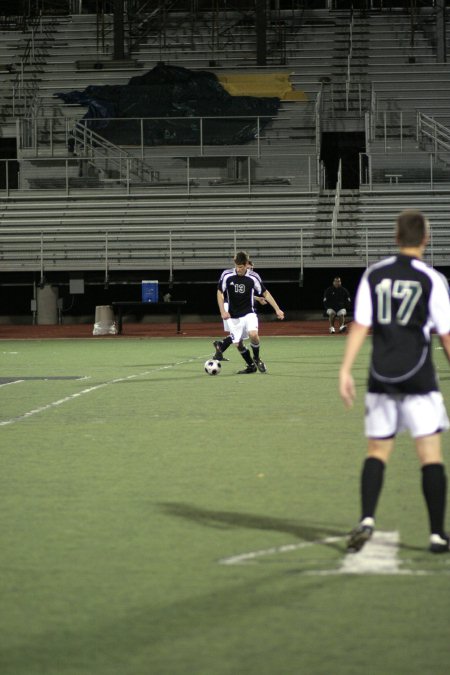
(411, 168)
(172, 247)
(87, 144)
(260, 122)
(429, 129)
(70, 174)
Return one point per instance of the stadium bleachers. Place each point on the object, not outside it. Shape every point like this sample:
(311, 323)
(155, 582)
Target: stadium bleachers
(367, 71)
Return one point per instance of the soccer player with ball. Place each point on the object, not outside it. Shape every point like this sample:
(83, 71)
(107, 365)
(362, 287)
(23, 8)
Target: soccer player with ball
(401, 299)
(238, 288)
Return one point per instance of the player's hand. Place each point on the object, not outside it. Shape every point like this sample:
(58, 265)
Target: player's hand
(225, 315)
(280, 314)
(347, 389)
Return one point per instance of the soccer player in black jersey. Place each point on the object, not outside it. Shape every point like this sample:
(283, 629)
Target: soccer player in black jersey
(222, 345)
(401, 299)
(238, 288)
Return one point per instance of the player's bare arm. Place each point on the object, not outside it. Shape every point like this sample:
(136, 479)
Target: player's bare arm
(271, 300)
(220, 301)
(445, 342)
(354, 342)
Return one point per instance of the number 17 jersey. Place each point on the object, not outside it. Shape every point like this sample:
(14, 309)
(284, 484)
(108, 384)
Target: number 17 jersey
(402, 299)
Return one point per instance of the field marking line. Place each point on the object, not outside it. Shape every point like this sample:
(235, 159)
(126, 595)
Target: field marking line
(379, 556)
(5, 384)
(287, 548)
(89, 390)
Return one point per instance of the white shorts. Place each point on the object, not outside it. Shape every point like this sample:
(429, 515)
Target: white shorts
(420, 414)
(241, 327)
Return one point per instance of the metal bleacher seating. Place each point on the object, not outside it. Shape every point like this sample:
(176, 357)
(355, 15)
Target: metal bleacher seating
(190, 207)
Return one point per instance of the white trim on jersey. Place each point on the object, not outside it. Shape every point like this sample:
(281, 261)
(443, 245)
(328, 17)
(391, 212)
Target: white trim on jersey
(229, 273)
(405, 376)
(363, 300)
(439, 298)
(439, 302)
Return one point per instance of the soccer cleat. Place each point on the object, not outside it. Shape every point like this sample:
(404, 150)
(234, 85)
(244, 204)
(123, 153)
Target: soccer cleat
(332, 330)
(358, 537)
(439, 543)
(218, 356)
(260, 365)
(342, 329)
(248, 370)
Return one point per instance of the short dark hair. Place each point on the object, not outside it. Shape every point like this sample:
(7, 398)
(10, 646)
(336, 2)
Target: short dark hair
(412, 228)
(241, 258)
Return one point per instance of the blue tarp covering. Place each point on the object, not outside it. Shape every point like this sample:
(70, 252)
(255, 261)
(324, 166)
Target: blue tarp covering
(170, 91)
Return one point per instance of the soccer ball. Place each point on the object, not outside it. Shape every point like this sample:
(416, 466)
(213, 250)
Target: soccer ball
(213, 367)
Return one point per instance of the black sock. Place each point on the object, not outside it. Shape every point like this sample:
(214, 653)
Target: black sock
(371, 484)
(246, 356)
(255, 350)
(434, 488)
(226, 342)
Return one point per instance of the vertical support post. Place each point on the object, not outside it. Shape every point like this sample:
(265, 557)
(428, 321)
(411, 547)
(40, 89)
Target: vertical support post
(42, 258)
(301, 252)
(441, 50)
(188, 175)
(119, 50)
(106, 257)
(401, 130)
(367, 247)
(261, 30)
(201, 136)
(258, 131)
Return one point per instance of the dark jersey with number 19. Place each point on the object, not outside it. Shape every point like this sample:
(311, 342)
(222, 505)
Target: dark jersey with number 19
(402, 299)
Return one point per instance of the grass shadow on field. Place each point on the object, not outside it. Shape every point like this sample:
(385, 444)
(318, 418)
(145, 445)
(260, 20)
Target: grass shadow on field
(229, 519)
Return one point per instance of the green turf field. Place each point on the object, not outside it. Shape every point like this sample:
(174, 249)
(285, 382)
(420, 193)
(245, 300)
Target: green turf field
(158, 521)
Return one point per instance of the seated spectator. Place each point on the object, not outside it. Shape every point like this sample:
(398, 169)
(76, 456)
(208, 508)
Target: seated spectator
(336, 300)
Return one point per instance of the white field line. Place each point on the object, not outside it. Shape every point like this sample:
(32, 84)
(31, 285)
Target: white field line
(5, 384)
(379, 556)
(287, 548)
(88, 390)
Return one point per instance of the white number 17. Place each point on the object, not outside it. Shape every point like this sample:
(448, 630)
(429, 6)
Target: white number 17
(408, 292)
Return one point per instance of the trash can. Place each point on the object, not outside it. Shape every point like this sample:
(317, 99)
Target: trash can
(47, 305)
(105, 323)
